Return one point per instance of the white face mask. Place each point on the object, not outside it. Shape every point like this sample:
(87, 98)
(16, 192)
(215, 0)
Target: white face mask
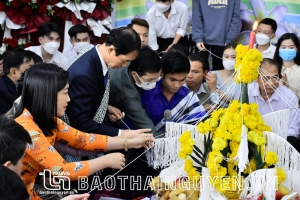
(229, 64)
(145, 85)
(51, 47)
(262, 39)
(162, 7)
(81, 46)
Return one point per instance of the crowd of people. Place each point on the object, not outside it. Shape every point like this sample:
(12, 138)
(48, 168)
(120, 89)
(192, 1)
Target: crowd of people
(99, 107)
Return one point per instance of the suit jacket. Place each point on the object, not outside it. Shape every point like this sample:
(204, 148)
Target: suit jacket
(8, 94)
(125, 95)
(205, 96)
(86, 91)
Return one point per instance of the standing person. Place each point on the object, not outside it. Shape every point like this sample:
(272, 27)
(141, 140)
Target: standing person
(265, 32)
(44, 99)
(215, 24)
(90, 82)
(141, 26)
(49, 37)
(14, 63)
(168, 21)
(288, 56)
(80, 39)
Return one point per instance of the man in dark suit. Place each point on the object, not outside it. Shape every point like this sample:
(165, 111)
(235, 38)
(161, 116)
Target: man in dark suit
(14, 64)
(89, 85)
(142, 73)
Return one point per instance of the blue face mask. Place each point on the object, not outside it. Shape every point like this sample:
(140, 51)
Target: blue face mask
(287, 54)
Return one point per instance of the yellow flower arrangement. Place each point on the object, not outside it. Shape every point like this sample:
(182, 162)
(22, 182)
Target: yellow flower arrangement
(187, 144)
(271, 158)
(280, 175)
(247, 64)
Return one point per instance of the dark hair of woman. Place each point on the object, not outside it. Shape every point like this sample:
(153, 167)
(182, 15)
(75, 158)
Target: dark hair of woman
(41, 84)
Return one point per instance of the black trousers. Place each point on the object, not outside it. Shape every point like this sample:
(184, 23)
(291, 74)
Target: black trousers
(164, 43)
(295, 142)
(217, 50)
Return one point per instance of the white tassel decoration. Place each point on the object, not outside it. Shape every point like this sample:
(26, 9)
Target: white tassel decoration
(278, 121)
(243, 151)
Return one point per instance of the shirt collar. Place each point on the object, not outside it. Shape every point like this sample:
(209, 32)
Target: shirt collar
(173, 11)
(275, 96)
(200, 90)
(271, 48)
(104, 65)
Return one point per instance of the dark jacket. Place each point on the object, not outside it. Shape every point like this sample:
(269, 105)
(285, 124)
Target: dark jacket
(125, 95)
(86, 91)
(8, 94)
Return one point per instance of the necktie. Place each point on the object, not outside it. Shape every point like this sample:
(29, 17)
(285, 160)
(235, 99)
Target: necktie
(100, 114)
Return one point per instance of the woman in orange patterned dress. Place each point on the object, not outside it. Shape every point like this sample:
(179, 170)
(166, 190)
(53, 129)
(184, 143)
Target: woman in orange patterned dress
(44, 98)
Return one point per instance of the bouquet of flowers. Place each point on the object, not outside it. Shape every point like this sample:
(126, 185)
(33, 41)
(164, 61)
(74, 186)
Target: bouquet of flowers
(9, 44)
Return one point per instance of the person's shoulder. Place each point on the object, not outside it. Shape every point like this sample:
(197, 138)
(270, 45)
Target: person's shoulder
(180, 5)
(185, 89)
(152, 10)
(32, 48)
(288, 93)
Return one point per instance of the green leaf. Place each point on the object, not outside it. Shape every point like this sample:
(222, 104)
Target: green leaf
(198, 150)
(196, 160)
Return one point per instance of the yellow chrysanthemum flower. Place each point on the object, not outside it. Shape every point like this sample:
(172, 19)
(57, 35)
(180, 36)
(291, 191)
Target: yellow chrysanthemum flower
(271, 158)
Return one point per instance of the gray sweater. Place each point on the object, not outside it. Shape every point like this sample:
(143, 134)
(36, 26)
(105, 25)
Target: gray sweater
(215, 22)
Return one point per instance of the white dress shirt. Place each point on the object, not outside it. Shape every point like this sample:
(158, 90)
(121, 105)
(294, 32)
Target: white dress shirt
(269, 53)
(58, 58)
(71, 54)
(160, 26)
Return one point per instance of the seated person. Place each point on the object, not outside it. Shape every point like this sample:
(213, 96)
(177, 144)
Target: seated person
(226, 87)
(14, 139)
(169, 91)
(80, 39)
(41, 105)
(50, 37)
(265, 32)
(288, 56)
(127, 83)
(140, 26)
(271, 96)
(15, 63)
(200, 81)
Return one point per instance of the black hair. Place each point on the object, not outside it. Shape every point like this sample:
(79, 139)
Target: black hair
(287, 36)
(146, 62)
(175, 63)
(13, 140)
(270, 22)
(11, 185)
(231, 45)
(78, 28)
(36, 58)
(165, 0)
(41, 84)
(198, 56)
(47, 28)
(124, 39)
(14, 59)
(274, 63)
(138, 21)
(180, 48)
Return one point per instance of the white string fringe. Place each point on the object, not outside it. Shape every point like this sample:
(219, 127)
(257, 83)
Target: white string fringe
(292, 180)
(288, 156)
(207, 191)
(243, 151)
(278, 121)
(260, 181)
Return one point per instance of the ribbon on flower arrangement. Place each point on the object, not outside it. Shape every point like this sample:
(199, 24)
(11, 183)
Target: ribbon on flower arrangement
(7, 25)
(98, 27)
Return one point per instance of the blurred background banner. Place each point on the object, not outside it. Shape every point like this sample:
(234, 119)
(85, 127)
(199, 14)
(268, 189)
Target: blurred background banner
(285, 12)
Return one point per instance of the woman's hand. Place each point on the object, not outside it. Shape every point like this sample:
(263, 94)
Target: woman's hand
(115, 160)
(133, 133)
(142, 140)
(211, 80)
